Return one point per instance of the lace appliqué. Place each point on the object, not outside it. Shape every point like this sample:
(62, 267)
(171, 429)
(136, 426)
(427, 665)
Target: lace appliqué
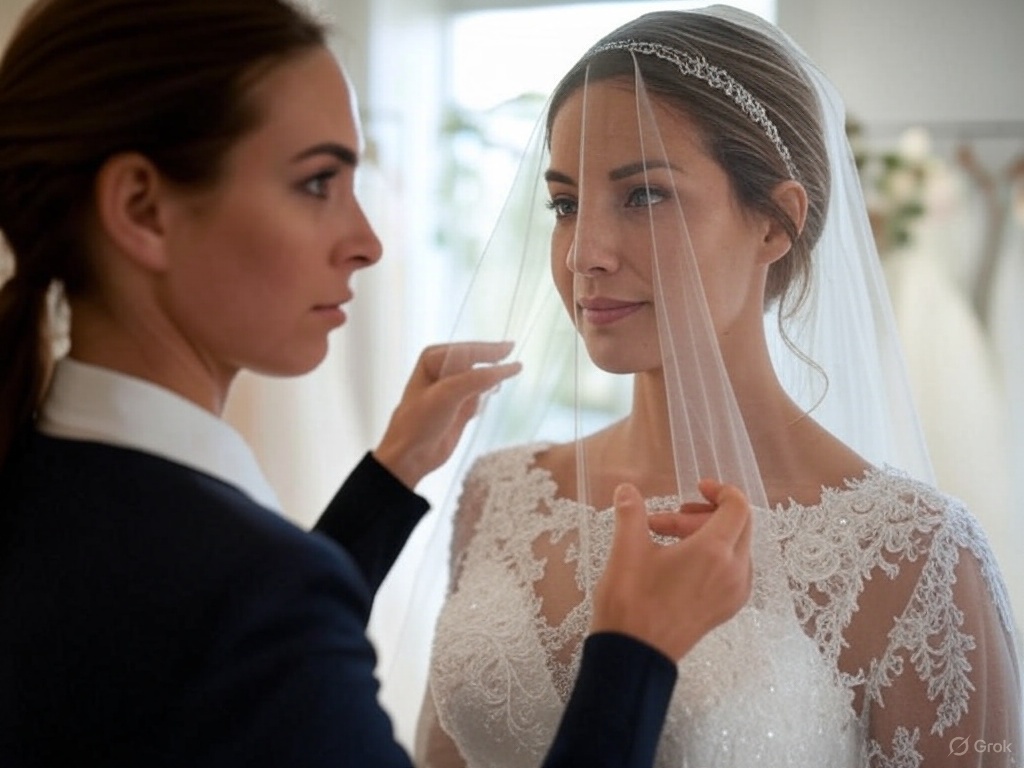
(871, 530)
(904, 753)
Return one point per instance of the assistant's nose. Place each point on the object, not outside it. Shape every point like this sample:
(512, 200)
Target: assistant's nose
(359, 247)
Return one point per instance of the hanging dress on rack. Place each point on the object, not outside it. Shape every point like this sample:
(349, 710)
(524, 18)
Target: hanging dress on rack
(951, 363)
(1006, 321)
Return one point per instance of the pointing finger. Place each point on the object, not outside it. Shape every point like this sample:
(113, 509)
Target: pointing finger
(630, 524)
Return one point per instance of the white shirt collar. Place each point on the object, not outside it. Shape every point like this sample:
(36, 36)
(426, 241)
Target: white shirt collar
(86, 402)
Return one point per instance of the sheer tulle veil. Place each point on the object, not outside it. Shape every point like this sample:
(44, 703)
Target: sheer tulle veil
(836, 352)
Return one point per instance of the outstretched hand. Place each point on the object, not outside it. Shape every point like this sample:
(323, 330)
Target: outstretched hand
(671, 596)
(442, 395)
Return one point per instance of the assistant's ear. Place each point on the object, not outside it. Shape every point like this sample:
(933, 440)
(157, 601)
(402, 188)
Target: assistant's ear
(790, 198)
(129, 198)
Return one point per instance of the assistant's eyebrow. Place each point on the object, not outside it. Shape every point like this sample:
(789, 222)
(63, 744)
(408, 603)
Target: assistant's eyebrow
(338, 151)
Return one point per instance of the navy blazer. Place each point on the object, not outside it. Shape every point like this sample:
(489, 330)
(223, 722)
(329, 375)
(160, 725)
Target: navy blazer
(152, 615)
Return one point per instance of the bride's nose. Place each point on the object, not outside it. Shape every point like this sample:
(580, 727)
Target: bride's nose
(594, 250)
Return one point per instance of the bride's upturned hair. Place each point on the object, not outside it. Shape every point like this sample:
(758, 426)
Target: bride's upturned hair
(738, 144)
(83, 80)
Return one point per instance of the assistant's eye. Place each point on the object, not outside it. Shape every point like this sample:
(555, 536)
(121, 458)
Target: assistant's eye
(320, 184)
(641, 197)
(562, 206)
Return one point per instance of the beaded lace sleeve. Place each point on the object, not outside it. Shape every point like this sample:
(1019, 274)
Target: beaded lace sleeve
(898, 585)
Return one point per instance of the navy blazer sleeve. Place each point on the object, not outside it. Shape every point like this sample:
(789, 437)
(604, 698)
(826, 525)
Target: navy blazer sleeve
(617, 707)
(371, 517)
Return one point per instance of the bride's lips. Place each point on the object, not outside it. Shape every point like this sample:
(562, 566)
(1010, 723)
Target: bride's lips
(603, 311)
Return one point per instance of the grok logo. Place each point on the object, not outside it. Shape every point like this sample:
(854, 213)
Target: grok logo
(961, 745)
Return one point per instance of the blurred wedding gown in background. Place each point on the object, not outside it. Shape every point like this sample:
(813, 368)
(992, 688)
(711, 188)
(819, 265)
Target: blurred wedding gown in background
(962, 394)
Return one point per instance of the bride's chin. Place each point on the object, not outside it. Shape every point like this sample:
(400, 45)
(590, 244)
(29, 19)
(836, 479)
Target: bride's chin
(616, 369)
(617, 363)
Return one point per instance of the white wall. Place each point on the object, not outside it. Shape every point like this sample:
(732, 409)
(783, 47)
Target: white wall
(910, 60)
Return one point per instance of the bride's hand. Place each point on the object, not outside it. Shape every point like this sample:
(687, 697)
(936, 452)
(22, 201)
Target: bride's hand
(442, 395)
(671, 596)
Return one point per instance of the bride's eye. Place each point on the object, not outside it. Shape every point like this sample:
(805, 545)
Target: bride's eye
(562, 206)
(641, 197)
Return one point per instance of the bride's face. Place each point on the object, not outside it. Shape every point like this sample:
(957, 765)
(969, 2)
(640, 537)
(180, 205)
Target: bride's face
(618, 208)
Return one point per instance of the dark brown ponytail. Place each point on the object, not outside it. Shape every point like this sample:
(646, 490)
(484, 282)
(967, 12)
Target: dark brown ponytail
(24, 357)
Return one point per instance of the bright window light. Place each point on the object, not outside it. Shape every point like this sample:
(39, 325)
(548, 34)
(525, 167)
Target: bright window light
(500, 54)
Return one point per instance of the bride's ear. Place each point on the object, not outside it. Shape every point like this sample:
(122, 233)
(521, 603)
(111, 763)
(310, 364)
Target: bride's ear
(790, 199)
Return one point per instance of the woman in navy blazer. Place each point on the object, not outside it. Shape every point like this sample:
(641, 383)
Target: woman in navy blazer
(183, 171)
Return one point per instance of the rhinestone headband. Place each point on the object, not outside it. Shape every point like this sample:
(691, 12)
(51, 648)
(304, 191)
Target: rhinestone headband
(716, 77)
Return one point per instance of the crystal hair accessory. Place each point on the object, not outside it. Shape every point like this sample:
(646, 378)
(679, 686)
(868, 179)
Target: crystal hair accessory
(716, 77)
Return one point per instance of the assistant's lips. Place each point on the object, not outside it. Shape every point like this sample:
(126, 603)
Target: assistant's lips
(332, 311)
(604, 311)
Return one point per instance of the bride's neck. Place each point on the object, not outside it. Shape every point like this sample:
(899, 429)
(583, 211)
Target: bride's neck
(796, 457)
(639, 447)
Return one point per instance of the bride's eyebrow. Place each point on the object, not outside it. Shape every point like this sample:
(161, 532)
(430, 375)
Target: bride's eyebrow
(557, 177)
(616, 174)
(633, 169)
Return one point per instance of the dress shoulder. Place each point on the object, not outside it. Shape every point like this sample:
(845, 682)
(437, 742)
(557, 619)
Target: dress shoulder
(509, 463)
(497, 488)
(887, 515)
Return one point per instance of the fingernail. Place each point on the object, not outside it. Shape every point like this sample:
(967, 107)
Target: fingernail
(621, 492)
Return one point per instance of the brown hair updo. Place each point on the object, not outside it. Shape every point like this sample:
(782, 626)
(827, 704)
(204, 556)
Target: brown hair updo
(737, 143)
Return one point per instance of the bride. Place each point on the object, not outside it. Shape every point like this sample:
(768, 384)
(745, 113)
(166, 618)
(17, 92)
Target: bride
(699, 181)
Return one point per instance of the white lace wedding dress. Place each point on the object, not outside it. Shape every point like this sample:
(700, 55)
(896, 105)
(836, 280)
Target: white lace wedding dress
(884, 672)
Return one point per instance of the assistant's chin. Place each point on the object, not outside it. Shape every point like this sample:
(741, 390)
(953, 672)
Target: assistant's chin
(313, 362)
(297, 362)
